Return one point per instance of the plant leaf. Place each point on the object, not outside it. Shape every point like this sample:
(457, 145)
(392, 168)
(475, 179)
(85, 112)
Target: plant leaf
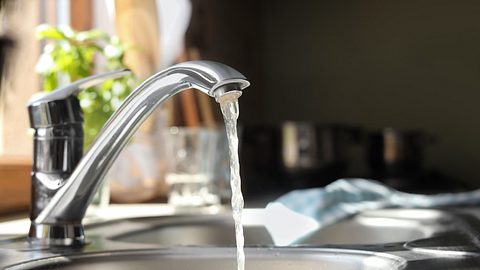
(91, 35)
(44, 31)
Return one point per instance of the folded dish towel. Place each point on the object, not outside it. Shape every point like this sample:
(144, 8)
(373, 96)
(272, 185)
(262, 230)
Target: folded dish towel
(346, 197)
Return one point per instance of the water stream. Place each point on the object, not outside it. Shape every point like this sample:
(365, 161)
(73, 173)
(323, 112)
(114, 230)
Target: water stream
(229, 106)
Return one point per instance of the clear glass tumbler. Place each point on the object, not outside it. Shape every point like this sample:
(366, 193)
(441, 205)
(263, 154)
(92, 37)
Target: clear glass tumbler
(190, 165)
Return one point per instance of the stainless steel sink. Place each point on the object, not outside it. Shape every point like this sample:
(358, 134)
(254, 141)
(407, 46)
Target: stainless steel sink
(222, 258)
(381, 239)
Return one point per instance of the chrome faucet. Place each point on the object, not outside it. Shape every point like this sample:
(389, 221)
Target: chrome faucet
(64, 182)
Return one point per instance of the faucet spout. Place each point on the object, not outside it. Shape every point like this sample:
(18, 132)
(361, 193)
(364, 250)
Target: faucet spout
(68, 205)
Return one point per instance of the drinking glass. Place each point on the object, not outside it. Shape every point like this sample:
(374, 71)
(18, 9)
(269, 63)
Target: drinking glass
(190, 165)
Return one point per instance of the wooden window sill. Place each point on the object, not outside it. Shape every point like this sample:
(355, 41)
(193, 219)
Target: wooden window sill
(14, 184)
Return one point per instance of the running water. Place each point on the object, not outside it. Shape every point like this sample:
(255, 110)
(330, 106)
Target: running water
(229, 105)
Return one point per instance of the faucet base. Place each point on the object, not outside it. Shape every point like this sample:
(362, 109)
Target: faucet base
(57, 234)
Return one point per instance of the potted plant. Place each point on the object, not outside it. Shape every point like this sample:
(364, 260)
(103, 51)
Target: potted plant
(70, 55)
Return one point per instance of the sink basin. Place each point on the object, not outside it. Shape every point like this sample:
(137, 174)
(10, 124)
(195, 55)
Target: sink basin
(193, 230)
(371, 227)
(382, 226)
(222, 258)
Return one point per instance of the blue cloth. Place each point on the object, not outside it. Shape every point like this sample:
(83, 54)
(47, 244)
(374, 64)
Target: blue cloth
(346, 197)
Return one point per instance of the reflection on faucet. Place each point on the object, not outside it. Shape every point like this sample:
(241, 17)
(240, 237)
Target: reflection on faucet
(57, 216)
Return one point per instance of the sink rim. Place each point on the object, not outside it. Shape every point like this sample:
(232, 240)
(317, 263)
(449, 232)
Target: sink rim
(217, 253)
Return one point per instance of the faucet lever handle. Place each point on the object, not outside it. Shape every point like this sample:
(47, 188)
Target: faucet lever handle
(74, 88)
(61, 105)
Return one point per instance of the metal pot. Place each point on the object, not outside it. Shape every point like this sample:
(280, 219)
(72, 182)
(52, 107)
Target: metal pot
(311, 147)
(393, 153)
(295, 155)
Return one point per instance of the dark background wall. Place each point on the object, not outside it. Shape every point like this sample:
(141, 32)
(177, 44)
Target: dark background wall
(402, 64)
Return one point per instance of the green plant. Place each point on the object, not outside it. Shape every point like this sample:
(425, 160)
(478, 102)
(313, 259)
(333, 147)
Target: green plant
(70, 55)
